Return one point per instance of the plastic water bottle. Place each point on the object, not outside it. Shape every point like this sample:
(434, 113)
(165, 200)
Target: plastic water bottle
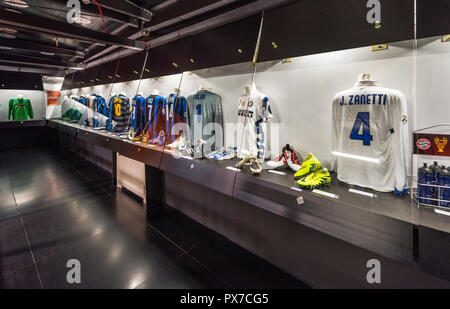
(426, 177)
(443, 179)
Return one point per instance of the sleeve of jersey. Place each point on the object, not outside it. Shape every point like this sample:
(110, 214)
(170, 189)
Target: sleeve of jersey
(218, 119)
(11, 107)
(109, 123)
(188, 120)
(401, 141)
(30, 109)
(128, 114)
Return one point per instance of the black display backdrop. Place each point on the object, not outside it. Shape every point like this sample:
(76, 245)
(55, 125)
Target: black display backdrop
(15, 80)
(433, 18)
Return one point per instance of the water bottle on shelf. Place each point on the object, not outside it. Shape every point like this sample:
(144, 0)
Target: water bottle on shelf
(425, 193)
(435, 168)
(443, 179)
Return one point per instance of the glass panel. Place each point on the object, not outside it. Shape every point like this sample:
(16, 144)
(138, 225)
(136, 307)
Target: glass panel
(432, 141)
(213, 97)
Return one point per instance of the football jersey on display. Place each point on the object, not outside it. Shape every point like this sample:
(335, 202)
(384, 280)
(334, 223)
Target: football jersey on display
(138, 110)
(371, 137)
(100, 106)
(20, 109)
(120, 112)
(205, 117)
(252, 113)
(157, 119)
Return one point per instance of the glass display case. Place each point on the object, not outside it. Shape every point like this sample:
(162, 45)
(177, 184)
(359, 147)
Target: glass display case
(432, 154)
(328, 119)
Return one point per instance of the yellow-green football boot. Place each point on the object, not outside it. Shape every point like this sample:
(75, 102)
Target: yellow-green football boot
(310, 165)
(316, 179)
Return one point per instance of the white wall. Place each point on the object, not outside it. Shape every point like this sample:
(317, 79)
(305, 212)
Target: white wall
(131, 175)
(433, 82)
(301, 92)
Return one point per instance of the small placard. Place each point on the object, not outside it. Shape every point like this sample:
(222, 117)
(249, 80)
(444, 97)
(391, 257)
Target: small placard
(442, 212)
(330, 195)
(362, 193)
(300, 200)
(233, 169)
(380, 47)
(277, 172)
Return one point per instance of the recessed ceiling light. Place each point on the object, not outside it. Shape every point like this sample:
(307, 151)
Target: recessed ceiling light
(5, 48)
(7, 36)
(8, 30)
(82, 20)
(47, 54)
(17, 3)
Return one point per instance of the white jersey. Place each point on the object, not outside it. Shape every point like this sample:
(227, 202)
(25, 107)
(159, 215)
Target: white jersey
(253, 112)
(371, 137)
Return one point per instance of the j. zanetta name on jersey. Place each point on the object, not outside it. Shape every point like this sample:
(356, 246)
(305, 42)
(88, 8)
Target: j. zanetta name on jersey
(364, 99)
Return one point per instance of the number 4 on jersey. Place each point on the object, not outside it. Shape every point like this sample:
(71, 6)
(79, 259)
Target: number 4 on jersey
(363, 119)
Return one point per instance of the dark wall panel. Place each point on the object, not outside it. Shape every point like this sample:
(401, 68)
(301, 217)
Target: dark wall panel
(107, 72)
(130, 67)
(24, 137)
(433, 18)
(20, 81)
(317, 26)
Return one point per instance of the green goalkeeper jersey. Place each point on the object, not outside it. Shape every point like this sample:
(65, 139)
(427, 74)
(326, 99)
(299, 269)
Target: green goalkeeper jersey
(20, 109)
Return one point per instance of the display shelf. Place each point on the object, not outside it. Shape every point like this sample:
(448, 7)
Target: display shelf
(22, 124)
(108, 142)
(142, 152)
(382, 225)
(438, 219)
(208, 173)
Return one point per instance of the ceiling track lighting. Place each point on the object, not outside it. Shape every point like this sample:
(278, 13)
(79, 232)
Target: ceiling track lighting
(17, 3)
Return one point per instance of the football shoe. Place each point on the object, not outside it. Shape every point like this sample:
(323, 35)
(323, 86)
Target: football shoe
(292, 159)
(280, 162)
(255, 167)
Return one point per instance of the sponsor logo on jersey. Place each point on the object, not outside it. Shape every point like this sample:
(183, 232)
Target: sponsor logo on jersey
(250, 104)
(245, 113)
(441, 143)
(423, 144)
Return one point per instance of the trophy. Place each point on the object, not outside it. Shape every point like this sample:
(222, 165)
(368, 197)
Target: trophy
(441, 143)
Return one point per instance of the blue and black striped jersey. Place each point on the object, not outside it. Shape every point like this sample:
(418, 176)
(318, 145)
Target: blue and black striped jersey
(120, 112)
(177, 110)
(157, 116)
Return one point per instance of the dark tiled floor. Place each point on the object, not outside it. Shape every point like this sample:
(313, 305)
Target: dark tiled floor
(53, 210)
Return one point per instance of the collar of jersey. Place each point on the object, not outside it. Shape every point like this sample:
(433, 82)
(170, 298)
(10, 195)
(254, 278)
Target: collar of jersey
(366, 83)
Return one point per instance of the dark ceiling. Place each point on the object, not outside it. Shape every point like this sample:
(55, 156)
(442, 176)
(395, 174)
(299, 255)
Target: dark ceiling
(114, 35)
(35, 36)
